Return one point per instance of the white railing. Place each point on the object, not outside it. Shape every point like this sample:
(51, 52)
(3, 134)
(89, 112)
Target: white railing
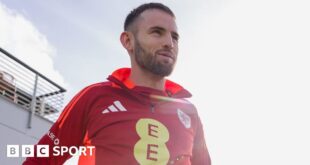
(28, 88)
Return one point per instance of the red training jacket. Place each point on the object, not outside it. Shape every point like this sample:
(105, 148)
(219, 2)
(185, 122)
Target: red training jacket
(128, 125)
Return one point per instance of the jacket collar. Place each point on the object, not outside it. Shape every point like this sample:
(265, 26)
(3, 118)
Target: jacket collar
(120, 78)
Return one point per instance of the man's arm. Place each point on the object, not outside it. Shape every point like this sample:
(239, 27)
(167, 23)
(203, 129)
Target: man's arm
(69, 130)
(200, 151)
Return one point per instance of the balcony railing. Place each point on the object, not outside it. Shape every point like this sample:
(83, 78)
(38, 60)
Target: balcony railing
(29, 89)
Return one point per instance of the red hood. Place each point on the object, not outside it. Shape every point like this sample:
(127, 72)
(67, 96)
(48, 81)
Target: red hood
(120, 78)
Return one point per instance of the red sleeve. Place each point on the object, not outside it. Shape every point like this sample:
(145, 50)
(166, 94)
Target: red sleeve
(69, 130)
(200, 151)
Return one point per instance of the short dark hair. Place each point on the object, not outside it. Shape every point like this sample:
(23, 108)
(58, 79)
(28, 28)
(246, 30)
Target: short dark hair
(135, 13)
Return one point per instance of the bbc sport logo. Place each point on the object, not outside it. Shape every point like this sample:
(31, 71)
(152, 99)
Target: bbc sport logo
(43, 150)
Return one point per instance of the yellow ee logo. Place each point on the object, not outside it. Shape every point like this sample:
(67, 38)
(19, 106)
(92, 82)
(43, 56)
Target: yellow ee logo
(151, 148)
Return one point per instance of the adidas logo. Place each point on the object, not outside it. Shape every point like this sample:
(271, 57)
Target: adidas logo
(115, 107)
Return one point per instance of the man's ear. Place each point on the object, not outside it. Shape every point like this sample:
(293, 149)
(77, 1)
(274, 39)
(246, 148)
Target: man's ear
(126, 39)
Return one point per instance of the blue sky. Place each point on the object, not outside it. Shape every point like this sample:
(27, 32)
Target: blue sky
(246, 63)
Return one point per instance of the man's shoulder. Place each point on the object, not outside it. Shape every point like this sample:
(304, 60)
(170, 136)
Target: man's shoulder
(99, 85)
(190, 106)
(92, 89)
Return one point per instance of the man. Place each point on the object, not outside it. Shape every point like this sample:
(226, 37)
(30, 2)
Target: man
(137, 116)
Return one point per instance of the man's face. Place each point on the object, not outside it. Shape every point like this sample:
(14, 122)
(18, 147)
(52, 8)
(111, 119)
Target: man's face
(156, 42)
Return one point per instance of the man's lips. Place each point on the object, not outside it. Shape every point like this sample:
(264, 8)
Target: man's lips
(167, 54)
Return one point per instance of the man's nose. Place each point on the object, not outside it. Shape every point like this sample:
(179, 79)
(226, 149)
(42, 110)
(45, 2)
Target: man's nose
(169, 42)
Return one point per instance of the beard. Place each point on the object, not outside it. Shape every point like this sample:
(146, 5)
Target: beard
(148, 61)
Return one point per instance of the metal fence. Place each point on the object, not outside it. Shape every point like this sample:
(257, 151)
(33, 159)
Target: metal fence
(29, 89)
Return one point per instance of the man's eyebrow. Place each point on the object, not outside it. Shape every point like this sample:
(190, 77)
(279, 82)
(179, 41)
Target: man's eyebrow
(157, 28)
(163, 29)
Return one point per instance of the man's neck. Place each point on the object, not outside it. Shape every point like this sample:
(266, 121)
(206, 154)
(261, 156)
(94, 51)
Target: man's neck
(145, 78)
